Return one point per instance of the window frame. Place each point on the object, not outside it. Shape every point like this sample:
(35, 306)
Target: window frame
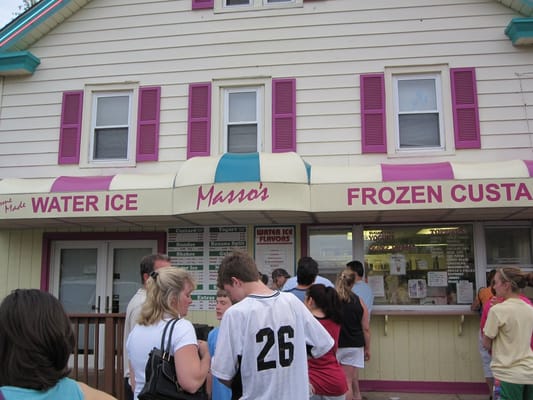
(90, 97)
(259, 96)
(441, 74)
(218, 114)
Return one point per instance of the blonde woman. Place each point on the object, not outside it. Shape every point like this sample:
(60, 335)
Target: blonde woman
(354, 338)
(168, 295)
(507, 333)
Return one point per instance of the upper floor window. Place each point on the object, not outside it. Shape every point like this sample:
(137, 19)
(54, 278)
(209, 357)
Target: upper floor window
(242, 119)
(110, 125)
(418, 112)
(229, 5)
(111, 133)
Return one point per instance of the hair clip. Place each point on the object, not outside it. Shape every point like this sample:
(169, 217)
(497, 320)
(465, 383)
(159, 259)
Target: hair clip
(154, 275)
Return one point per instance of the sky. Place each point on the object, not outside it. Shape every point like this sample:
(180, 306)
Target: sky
(7, 8)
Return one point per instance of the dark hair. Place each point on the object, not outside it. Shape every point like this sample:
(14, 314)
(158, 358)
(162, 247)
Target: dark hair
(264, 278)
(327, 299)
(307, 271)
(280, 272)
(357, 267)
(36, 340)
(237, 265)
(147, 263)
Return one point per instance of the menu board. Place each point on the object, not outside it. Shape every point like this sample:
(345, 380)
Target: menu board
(200, 250)
(274, 248)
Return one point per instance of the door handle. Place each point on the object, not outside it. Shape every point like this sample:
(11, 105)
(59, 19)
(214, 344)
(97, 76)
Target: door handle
(107, 304)
(96, 306)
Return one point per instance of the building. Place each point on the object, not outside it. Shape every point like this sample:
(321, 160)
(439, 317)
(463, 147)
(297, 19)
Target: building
(399, 133)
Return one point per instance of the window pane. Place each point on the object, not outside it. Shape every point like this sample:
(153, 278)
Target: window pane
(417, 95)
(332, 250)
(242, 107)
(110, 143)
(419, 130)
(421, 264)
(279, 1)
(508, 245)
(242, 138)
(113, 110)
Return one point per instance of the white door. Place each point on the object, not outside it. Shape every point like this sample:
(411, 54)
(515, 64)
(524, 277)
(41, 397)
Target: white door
(97, 276)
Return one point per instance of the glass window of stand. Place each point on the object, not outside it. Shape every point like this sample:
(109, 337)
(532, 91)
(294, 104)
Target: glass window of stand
(420, 265)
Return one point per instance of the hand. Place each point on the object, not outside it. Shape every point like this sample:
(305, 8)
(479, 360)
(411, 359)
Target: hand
(367, 354)
(203, 350)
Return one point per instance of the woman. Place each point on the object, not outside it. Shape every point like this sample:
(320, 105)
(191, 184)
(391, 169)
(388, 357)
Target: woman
(354, 339)
(36, 341)
(168, 296)
(507, 334)
(326, 375)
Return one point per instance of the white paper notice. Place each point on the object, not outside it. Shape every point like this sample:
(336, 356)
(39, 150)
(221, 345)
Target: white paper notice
(377, 285)
(417, 288)
(397, 264)
(438, 278)
(465, 292)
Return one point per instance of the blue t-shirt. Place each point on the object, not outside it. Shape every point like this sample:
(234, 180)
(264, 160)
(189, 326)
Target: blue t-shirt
(364, 291)
(66, 388)
(220, 391)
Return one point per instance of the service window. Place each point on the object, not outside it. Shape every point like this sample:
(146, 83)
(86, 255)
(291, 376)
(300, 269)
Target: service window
(420, 265)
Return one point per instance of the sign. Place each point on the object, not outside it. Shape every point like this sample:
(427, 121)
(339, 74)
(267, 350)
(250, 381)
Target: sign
(274, 248)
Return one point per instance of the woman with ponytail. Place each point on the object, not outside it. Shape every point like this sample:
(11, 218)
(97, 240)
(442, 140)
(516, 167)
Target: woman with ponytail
(507, 334)
(326, 375)
(354, 338)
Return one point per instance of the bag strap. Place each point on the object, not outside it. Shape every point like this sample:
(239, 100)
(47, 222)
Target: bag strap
(171, 324)
(1, 396)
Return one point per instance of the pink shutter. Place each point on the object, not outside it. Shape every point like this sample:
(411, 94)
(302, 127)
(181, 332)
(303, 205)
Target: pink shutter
(373, 129)
(465, 108)
(70, 130)
(199, 124)
(148, 123)
(202, 4)
(283, 115)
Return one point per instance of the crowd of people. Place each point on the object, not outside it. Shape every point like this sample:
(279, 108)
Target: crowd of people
(270, 340)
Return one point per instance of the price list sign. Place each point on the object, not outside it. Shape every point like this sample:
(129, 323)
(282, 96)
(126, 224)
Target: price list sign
(200, 250)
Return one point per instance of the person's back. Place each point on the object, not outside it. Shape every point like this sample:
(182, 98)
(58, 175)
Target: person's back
(361, 288)
(265, 335)
(254, 327)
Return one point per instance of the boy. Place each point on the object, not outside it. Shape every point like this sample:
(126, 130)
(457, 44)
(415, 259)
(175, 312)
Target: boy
(266, 335)
(215, 388)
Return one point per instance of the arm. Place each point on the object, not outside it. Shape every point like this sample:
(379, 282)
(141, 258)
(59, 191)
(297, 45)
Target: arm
(365, 324)
(209, 385)
(132, 377)
(90, 393)
(192, 365)
(487, 343)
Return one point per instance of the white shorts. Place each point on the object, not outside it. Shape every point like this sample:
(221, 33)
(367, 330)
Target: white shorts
(353, 356)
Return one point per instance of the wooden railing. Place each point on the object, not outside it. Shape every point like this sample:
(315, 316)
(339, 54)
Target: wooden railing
(98, 356)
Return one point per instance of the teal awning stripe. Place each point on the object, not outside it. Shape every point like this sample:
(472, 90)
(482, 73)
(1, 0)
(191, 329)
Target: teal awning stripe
(234, 167)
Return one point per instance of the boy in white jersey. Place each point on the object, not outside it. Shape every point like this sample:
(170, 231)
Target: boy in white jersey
(266, 336)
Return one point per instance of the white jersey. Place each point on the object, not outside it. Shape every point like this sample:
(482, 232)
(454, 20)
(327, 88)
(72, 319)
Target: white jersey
(271, 334)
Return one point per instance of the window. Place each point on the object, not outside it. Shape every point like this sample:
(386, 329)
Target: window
(508, 245)
(242, 116)
(421, 117)
(242, 5)
(111, 133)
(418, 112)
(115, 124)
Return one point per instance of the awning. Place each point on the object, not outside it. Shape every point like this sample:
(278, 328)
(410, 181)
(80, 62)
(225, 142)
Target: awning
(85, 199)
(260, 188)
(243, 188)
(437, 191)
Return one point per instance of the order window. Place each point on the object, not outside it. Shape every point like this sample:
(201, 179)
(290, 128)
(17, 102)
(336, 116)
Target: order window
(420, 265)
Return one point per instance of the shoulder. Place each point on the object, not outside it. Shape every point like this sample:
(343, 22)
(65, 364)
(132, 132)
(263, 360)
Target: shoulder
(90, 393)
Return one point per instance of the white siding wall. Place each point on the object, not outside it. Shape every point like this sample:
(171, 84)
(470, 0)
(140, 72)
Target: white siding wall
(325, 45)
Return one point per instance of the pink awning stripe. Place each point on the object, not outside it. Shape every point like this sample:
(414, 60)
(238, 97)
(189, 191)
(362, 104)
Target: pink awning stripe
(416, 172)
(529, 165)
(81, 184)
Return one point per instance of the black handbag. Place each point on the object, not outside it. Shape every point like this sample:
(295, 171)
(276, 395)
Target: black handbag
(160, 374)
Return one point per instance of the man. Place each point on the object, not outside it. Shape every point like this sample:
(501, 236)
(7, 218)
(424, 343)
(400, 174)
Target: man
(149, 264)
(306, 274)
(361, 288)
(264, 337)
(292, 282)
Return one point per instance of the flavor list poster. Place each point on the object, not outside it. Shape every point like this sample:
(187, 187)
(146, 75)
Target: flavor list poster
(274, 248)
(200, 251)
